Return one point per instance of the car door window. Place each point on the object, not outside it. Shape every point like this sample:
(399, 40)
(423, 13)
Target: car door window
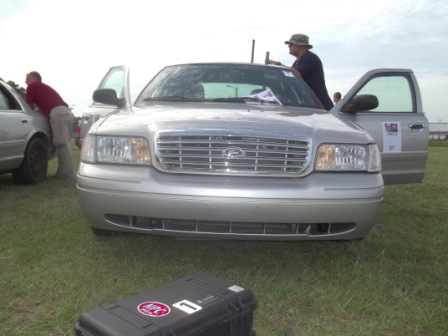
(114, 80)
(393, 93)
(3, 103)
(7, 102)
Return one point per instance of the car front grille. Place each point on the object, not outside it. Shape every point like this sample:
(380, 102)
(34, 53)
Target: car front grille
(232, 155)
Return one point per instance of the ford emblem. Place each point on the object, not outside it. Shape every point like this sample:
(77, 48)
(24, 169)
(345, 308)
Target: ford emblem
(233, 152)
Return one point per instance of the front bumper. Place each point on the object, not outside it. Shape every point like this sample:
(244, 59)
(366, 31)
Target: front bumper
(316, 207)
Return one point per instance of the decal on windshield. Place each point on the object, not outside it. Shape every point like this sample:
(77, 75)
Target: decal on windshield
(266, 96)
(391, 137)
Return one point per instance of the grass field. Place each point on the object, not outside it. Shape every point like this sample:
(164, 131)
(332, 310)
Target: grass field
(394, 282)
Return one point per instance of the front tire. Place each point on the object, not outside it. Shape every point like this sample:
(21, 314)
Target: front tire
(33, 168)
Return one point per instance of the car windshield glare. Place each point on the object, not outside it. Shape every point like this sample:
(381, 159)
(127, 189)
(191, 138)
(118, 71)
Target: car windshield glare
(229, 83)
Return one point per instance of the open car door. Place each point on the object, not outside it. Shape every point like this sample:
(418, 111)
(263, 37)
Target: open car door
(387, 104)
(117, 79)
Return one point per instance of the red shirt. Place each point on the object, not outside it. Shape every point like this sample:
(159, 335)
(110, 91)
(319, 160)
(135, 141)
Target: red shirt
(44, 96)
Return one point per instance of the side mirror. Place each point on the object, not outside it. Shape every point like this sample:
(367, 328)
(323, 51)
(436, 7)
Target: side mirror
(361, 103)
(108, 97)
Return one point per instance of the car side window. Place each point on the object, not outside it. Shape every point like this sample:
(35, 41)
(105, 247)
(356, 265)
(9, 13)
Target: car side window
(3, 103)
(114, 80)
(394, 93)
(7, 101)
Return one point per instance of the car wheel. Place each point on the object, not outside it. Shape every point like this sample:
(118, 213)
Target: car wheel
(106, 233)
(33, 168)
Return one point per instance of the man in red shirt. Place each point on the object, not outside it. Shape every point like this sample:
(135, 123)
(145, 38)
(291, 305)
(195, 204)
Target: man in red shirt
(51, 104)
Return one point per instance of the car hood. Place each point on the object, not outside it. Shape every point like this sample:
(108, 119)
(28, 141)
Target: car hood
(230, 119)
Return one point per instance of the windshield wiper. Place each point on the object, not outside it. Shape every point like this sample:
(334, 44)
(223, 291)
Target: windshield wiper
(245, 99)
(229, 100)
(263, 101)
(172, 98)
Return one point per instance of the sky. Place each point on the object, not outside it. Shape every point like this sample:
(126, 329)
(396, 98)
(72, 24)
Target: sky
(72, 44)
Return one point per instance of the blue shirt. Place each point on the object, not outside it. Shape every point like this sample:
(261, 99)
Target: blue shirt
(312, 71)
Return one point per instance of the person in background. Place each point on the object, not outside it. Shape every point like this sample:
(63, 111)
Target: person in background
(336, 97)
(308, 66)
(51, 104)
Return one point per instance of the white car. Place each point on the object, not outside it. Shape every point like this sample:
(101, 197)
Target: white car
(246, 151)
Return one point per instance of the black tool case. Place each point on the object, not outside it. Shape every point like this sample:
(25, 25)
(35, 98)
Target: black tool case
(198, 304)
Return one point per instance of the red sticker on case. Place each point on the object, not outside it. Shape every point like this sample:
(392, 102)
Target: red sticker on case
(156, 309)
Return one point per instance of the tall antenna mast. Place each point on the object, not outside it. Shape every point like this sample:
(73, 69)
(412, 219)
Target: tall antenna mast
(253, 50)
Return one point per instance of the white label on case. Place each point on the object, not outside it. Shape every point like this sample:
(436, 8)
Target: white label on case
(236, 288)
(187, 306)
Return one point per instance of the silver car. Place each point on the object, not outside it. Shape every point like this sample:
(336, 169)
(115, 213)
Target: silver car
(25, 138)
(246, 151)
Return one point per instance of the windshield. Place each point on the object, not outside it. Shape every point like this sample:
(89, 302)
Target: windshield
(234, 83)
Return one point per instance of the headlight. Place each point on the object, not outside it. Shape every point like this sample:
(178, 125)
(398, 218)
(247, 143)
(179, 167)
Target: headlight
(118, 150)
(335, 157)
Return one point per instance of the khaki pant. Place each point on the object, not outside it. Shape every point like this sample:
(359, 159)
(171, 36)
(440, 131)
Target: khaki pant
(61, 120)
